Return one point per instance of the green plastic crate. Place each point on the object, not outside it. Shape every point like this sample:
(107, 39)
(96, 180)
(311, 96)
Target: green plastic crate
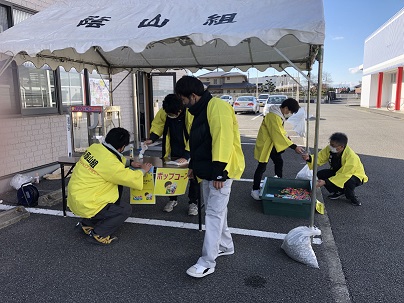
(281, 206)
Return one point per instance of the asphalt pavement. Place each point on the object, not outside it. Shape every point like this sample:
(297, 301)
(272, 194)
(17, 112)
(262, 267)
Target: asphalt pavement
(43, 258)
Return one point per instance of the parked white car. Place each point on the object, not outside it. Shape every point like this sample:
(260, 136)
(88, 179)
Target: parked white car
(246, 104)
(262, 99)
(273, 99)
(228, 99)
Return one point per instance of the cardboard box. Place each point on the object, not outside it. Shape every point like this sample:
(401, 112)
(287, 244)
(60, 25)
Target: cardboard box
(281, 206)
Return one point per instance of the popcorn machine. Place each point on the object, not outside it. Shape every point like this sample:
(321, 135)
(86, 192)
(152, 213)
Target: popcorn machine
(90, 124)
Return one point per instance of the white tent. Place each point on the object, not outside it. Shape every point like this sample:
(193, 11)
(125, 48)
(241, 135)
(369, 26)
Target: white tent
(112, 36)
(160, 34)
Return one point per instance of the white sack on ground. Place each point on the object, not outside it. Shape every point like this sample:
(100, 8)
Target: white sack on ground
(20, 179)
(297, 245)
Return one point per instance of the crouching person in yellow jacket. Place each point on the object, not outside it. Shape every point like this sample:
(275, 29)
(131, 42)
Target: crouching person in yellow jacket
(95, 187)
(346, 170)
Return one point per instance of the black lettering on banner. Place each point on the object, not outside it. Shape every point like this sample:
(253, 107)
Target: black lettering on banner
(94, 21)
(153, 22)
(217, 19)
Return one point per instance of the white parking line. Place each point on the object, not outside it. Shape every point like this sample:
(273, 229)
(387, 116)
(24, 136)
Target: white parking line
(237, 231)
(260, 115)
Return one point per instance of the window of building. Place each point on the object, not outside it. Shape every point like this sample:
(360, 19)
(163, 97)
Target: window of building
(71, 87)
(393, 78)
(37, 89)
(8, 79)
(215, 81)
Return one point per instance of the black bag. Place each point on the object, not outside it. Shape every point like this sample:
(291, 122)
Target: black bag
(28, 195)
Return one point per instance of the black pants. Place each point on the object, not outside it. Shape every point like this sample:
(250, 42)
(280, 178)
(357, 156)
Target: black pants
(110, 218)
(193, 192)
(262, 166)
(349, 186)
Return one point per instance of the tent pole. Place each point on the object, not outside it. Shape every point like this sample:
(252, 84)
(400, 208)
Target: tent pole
(319, 91)
(308, 113)
(291, 63)
(129, 73)
(111, 99)
(6, 65)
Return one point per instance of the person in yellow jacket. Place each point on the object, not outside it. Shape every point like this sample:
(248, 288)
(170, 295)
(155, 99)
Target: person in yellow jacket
(272, 141)
(95, 187)
(346, 170)
(216, 159)
(173, 122)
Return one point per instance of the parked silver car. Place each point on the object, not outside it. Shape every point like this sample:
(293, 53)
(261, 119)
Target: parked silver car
(246, 104)
(228, 99)
(273, 99)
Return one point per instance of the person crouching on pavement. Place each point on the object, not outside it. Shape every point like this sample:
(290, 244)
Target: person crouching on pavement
(96, 184)
(346, 170)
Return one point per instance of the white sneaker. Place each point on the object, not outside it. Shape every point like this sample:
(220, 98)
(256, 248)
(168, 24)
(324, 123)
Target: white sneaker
(193, 209)
(199, 271)
(170, 206)
(256, 194)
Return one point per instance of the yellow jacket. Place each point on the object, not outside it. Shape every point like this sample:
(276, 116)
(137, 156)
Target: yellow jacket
(95, 179)
(351, 166)
(271, 133)
(157, 127)
(225, 148)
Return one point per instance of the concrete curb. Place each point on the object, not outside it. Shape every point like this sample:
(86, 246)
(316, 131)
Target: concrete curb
(12, 216)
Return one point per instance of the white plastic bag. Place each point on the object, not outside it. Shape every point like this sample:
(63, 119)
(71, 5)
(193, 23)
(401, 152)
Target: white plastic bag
(297, 245)
(20, 179)
(142, 151)
(298, 121)
(305, 173)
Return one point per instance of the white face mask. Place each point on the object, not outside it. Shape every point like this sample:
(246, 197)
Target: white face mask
(333, 149)
(287, 115)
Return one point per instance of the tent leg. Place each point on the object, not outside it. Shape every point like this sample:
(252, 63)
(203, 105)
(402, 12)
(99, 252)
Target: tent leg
(319, 86)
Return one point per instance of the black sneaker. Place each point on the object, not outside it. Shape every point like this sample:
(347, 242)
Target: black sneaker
(336, 195)
(356, 202)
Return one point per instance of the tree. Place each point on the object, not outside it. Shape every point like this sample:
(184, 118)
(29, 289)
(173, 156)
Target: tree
(268, 86)
(326, 82)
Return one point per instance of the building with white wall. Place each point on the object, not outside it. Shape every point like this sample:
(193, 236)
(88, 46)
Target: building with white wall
(383, 62)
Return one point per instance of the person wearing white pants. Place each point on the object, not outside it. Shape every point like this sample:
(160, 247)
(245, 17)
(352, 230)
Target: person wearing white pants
(216, 159)
(218, 240)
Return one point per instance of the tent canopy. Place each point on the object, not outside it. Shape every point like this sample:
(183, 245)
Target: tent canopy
(166, 34)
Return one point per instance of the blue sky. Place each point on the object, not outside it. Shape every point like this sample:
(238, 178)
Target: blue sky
(348, 23)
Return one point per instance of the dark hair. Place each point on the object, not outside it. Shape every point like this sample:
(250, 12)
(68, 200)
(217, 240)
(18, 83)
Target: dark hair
(172, 104)
(188, 85)
(292, 104)
(118, 137)
(339, 138)
(167, 183)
